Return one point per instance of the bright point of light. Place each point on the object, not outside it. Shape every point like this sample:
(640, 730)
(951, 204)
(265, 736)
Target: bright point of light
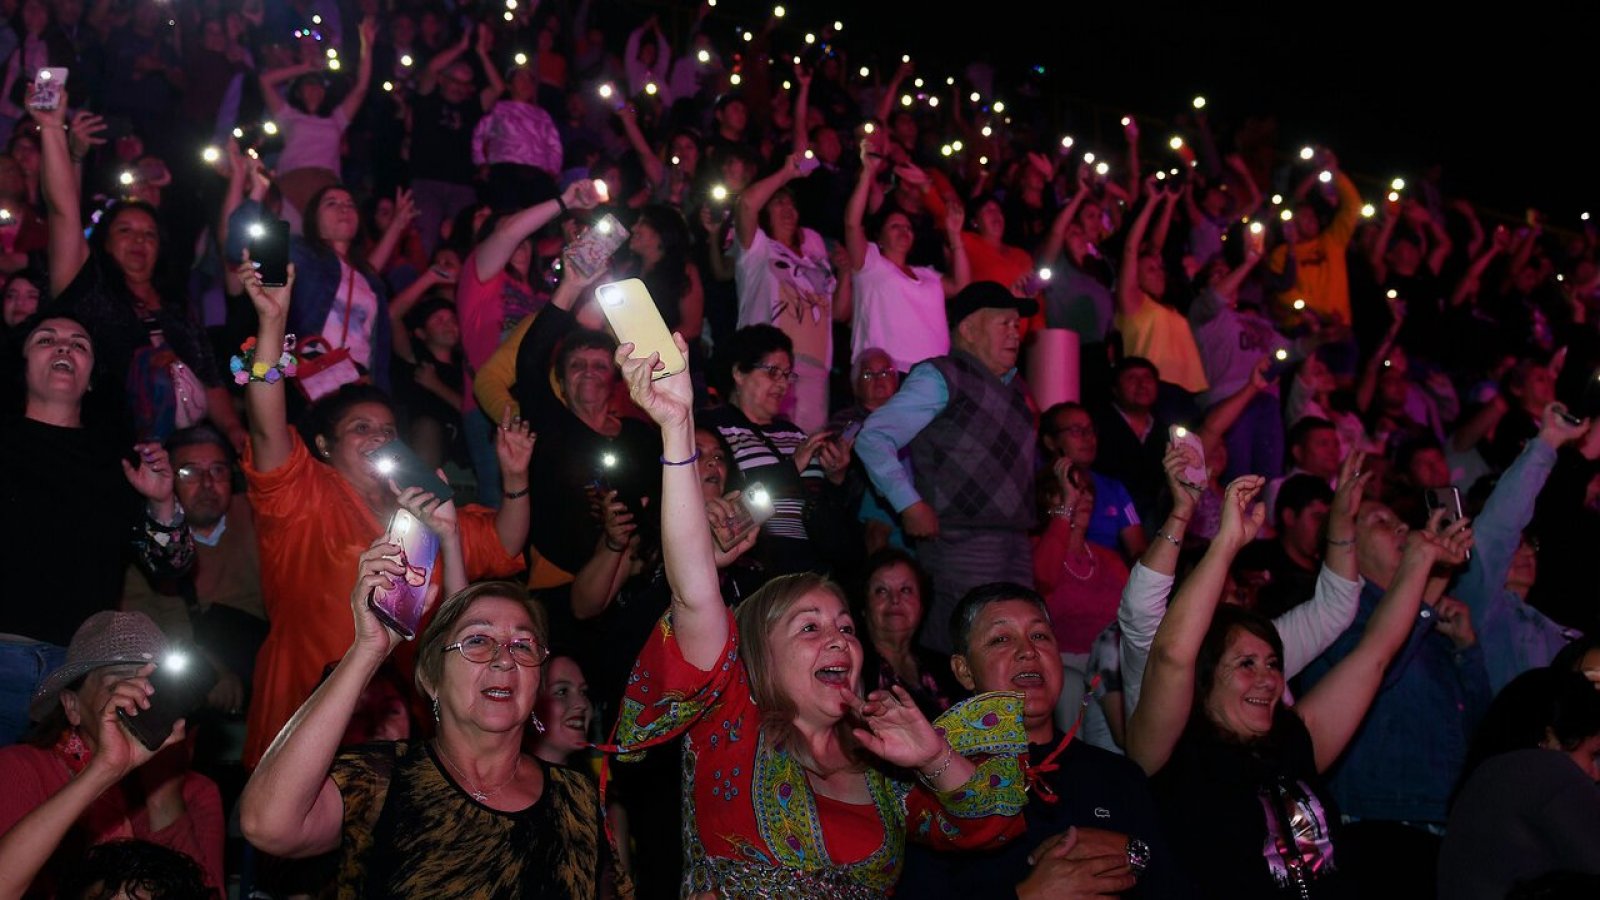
(269, 127)
(865, 71)
(1101, 168)
(1584, 217)
(1325, 176)
(905, 100)
(999, 107)
(650, 88)
(676, 160)
(1394, 196)
(1180, 431)
(1306, 152)
(748, 37)
(510, 16)
(1045, 274)
(126, 178)
(1277, 199)
(1088, 157)
(703, 56)
(45, 75)
(388, 85)
(779, 12)
(1399, 184)
(986, 131)
(945, 150)
(1368, 210)
(606, 91)
(609, 460)
(257, 230)
(210, 154)
(787, 85)
(332, 53)
(520, 59)
(983, 160)
(175, 661)
(1176, 143)
(1066, 142)
(869, 128)
(719, 193)
(1199, 103)
(1257, 228)
(316, 20)
(950, 82)
(1285, 215)
(406, 60)
(957, 145)
(602, 189)
(811, 38)
(916, 82)
(734, 79)
(333, 64)
(933, 101)
(905, 58)
(1299, 305)
(974, 97)
(838, 25)
(1392, 294)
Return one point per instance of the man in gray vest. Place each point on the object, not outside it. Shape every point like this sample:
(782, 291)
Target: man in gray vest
(968, 498)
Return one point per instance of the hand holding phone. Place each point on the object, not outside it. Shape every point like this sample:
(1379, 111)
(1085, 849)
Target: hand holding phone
(49, 88)
(634, 318)
(744, 513)
(396, 462)
(401, 606)
(594, 248)
(1194, 475)
(178, 687)
(269, 251)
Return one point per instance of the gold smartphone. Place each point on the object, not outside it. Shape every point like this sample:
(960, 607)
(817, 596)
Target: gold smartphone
(633, 317)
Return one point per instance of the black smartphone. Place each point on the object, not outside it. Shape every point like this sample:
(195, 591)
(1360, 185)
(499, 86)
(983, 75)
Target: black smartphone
(269, 251)
(1282, 361)
(396, 461)
(178, 687)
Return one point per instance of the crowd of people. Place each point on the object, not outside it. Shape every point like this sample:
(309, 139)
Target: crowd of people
(1279, 594)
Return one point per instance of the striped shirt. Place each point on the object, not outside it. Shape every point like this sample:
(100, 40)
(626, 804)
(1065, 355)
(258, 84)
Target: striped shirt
(763, 454)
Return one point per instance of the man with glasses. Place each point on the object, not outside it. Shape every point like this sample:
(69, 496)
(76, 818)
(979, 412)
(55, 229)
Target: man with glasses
(217, 606)
(873, 380)
(965, 420)
(1067, 430)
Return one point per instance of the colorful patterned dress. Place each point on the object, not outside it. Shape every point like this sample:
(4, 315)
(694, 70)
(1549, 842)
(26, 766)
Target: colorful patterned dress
(752, 825)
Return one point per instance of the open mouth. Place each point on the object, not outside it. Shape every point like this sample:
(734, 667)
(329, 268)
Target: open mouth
(837, 676)
(1026, 680)
(579, 722)
(1262, 702)
(498, 694)
(62, 364)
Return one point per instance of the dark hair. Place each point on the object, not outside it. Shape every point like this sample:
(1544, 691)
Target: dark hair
(1298, 492)
(1048, 419)
(968, 607)
(1536, 705)
(418, 316)
(322, 110)
(744, 350)
(1570, 657)
(1301, 431)
(583, 339)
(137, 867)
(1215, 644)
(197, 435)
(33, 276)
(313, 232)
(167, 281)
(877, 562)
(1129, 363)
(669, 281)
(323, 418)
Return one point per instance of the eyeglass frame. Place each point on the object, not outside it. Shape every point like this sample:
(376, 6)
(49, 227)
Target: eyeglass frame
(460, 647)
(201, 472)
(776, 373)
(880, 374)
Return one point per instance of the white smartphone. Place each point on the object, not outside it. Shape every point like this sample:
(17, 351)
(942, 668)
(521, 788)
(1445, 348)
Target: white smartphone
(1194, 476)
(634, 318)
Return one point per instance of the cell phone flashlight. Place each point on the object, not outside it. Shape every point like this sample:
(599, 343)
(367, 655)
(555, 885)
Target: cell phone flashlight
(177, 687)
(752, 507)
(1192, 475)
(719, 193)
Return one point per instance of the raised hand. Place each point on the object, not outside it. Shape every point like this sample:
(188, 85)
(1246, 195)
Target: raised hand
(1184, 495)
(1454, 621)
(405, 210)
(271, 303)
(1556, 430)
(1347, 497)
(117, 752)
(513, 445)
(1242, 516)
(153, 478)
(1439, 544)
(439, 516)
(85, 134)
(617, 520)
(583, 194)
(896, 731)
(668, 401)
(378, 569)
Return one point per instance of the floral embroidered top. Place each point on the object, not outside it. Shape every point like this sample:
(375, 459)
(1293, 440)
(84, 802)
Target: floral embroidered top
(753, 826)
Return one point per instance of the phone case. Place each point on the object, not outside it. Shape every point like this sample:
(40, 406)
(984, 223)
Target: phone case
(49, 86)
(1194, 476)
(175, 693)
(271, 252)
(746, 518)
(590, 252)
(395, 460)
(401, 607)
(634, 319)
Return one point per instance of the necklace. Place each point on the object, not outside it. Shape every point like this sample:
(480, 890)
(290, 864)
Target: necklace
(1085, 577)
(479, 794)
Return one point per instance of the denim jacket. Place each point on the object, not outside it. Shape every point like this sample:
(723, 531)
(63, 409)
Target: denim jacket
(1405, 758)
(316, 284)
(1515, 636)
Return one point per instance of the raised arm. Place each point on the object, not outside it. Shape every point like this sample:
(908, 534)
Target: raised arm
(264, 400)
(887, 101)
(960, 267)
(270, 79)
(654, 170)
(291, 806)
(699, 618)
(802, 101)
(1056, 237)
(1334, 708)
(358, 93)
(494, 252)
(1168, 690)
(436, 66)
(747, 210)
(495, 85)
(407, 300)
(58, 178)
(1129, 297)
(855, 209)
(405, 212)
(1158, 237)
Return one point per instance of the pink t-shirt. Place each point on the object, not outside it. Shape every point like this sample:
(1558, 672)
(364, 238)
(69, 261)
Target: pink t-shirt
(488, 311)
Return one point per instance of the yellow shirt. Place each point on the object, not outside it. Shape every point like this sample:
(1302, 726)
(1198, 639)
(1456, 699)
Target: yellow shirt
(1158, 333)
(1321, 278)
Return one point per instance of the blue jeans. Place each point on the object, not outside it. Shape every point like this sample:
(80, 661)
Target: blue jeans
(24, 664)
(480, 434)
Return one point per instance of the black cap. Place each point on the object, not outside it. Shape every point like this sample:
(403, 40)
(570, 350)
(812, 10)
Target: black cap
(985, 295)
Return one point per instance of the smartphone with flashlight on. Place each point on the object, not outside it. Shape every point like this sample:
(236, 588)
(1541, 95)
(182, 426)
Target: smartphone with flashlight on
(1192, 475)
(400, 607)
(634, 319)
(1448, 499)
(396, 462)
(1282, 362)
(595, 247)
(269, 251)
(752, 507)
(178, 687)
(49, 88)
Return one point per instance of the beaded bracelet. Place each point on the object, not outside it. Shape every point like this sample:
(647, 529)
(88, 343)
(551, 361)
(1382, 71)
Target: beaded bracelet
(246, 368)
(682, 462)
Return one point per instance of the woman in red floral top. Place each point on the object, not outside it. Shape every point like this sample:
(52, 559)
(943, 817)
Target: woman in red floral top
(793, 783)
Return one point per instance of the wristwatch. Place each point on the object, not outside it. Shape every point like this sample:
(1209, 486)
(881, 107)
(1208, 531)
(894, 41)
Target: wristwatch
(1138, 856)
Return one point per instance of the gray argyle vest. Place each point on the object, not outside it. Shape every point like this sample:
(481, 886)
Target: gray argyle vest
(974, 462)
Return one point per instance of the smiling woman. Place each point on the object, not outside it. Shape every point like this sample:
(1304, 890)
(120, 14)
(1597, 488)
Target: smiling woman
(794, 784)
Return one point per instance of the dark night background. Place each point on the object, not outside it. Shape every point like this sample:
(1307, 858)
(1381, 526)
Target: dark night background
(1502, 96)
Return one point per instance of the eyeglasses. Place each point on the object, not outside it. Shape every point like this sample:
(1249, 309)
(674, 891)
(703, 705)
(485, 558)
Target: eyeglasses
(777, 374)
(218, 472)
(482, 649)
(870, 377)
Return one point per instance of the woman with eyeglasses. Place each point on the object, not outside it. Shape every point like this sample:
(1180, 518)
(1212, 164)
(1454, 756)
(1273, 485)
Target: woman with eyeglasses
(790, 467)
(466, 813)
